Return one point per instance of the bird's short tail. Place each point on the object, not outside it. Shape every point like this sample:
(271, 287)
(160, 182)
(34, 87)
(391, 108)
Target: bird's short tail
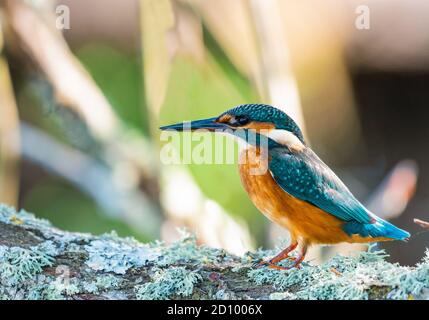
(379, 228)
(391, 231)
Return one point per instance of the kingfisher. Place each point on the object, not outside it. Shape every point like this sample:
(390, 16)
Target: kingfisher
(291, 185)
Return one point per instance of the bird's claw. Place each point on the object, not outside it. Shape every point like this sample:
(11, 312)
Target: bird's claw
(272, 265)
(260, 264)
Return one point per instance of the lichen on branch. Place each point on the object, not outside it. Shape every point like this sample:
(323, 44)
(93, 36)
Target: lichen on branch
(38, 261)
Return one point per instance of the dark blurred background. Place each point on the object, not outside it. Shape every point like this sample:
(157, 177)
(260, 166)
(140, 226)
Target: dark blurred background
(80, 104)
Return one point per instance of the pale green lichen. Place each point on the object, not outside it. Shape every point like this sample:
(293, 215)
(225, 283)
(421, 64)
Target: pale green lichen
(108, 267)
(90, 287)
(21, 268)
(408, 282)
(111, 254)
(282, 296)
(10, 216)
(186, 250)
(348, 278)
(102, 283)
(50, 288)
(59, 288)
(175, 281)
(19, 264)
(107, 282)
(223, 294)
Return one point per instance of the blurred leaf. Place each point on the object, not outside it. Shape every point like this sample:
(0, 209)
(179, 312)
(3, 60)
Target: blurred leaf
(157, 18)
(229, 21)
(278, 75)
(9, 135)
(118, 75)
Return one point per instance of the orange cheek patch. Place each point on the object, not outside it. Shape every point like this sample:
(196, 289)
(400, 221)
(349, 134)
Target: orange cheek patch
(224, 119)
(259, 126)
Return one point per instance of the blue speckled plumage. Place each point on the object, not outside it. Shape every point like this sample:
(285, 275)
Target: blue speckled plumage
(264, 113)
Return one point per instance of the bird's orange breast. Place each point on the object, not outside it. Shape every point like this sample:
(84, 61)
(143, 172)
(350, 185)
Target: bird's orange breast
(302, 219)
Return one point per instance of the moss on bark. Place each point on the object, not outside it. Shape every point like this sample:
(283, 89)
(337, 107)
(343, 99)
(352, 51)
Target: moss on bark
(38, 261)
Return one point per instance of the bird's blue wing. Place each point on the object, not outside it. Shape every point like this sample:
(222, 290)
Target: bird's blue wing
(306, 177)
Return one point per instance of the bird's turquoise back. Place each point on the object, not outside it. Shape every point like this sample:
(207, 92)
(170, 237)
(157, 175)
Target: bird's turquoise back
(306, 177)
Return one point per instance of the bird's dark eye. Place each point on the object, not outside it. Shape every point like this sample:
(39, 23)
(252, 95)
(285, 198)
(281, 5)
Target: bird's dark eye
(242, 120)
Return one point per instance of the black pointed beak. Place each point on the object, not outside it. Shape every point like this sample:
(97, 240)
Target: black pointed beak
(206, 124)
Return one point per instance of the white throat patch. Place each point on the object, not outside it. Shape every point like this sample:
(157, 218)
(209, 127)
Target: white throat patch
(286, 138)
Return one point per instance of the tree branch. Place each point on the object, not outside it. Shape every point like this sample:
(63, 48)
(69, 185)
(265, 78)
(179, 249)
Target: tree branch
(38, 261)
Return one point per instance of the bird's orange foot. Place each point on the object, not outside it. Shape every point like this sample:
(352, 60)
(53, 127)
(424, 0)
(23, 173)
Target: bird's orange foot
(336, 272)
(272, 265)
(277, 267)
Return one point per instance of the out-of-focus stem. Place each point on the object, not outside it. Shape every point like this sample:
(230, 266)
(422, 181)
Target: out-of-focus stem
(277, 72)
(157, 18)
(9, 135)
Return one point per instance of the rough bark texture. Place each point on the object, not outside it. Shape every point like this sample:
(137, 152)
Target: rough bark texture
(38, 261)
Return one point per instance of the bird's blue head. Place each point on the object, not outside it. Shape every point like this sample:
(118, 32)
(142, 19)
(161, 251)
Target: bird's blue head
(256, 117)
